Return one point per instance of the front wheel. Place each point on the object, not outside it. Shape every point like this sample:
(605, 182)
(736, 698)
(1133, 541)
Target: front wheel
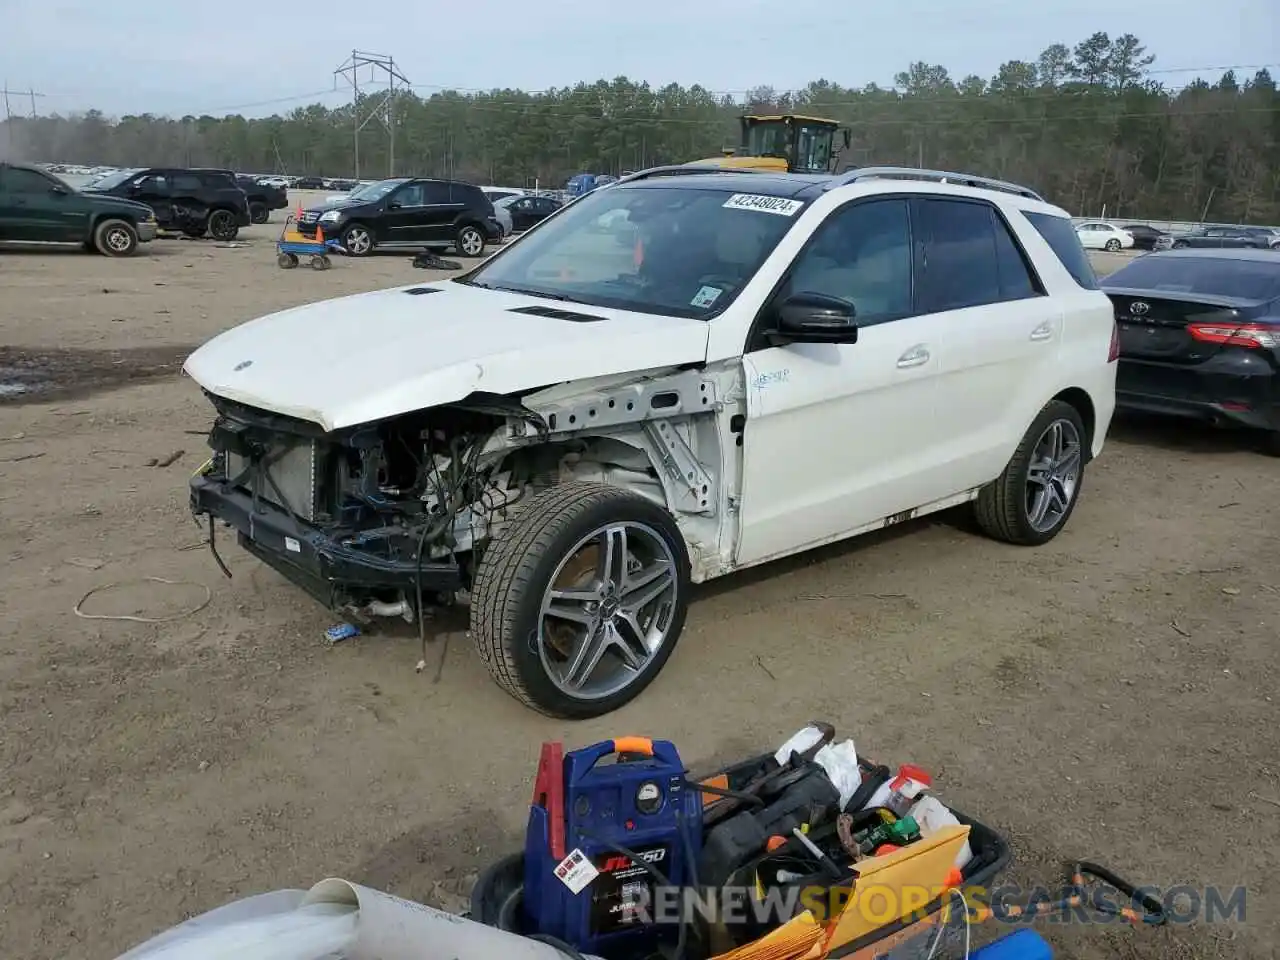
(1031, 501)
(223, 226)
(470, 241)
(357, 240)
(580, 601)
(1113, 246)
(115, 238)
(1179, 245)
(259, 212)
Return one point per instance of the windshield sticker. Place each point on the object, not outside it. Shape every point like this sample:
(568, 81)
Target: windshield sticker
(753, 201)
(705, 297)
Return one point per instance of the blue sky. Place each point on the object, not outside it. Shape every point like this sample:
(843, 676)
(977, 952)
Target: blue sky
(161, 56)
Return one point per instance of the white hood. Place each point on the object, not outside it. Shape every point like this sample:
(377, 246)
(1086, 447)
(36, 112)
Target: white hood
(355, 359)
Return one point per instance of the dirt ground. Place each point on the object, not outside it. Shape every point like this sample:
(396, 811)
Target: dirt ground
(1111, 696)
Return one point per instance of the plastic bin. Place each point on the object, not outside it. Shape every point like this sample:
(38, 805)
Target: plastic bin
(496, 897)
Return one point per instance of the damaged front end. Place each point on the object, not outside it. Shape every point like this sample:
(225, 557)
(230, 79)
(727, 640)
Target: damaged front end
(378, 519)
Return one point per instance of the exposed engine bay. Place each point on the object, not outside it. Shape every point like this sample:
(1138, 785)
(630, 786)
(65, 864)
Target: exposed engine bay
(390, 517)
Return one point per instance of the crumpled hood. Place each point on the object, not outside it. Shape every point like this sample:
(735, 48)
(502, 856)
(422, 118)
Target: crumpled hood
(362, 358)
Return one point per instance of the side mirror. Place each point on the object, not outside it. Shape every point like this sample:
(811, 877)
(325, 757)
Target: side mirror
(847, 137)
(814, 318)
(394, 205)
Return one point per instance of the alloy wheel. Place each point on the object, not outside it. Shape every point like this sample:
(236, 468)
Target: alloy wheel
(1053, 476)
(118, 240)
(358, 241)
(471, 242)
(608, 610)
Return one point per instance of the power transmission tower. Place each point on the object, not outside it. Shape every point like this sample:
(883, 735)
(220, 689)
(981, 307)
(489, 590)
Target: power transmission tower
(382, 108)
(8, 109)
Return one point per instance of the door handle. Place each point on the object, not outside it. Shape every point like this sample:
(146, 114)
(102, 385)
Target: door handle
(915, 357)
(1043, 332)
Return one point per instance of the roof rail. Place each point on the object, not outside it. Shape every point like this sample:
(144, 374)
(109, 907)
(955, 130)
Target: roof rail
(935, 176)
(677, 170)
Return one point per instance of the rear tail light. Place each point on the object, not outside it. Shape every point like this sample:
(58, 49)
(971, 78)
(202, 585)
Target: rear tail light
(1256, 335)
(1113, 354)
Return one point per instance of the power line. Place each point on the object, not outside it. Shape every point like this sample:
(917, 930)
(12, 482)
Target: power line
(533, 96)
(445, 88)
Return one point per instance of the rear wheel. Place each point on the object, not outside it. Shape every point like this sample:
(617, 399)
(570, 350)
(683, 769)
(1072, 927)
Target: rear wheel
(259, 213)
(1031, 501)
(222, 225)
(115, 238)
(1113, 246)
(579, 603)
(470, 241)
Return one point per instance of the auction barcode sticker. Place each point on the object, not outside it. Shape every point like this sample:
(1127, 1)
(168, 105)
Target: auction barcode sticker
(754, 201)
(575, 871)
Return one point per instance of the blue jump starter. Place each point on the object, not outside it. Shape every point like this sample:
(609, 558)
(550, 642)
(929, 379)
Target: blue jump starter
(1020, 945)
(587, 821)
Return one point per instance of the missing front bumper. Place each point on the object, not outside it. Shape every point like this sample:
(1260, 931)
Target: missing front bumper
(332, 572)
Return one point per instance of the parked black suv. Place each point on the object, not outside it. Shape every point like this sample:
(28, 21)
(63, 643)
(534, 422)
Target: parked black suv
(411, 212)
(263, 197)
(195, 202)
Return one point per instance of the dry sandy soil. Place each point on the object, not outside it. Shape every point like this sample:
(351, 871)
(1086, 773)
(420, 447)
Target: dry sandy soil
(1111, 696)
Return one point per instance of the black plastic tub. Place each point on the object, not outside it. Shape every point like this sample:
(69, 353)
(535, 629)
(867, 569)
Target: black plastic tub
(497, 897)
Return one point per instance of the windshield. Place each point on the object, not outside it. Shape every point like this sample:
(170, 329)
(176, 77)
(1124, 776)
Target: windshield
(109, 180)
(665, 250)
(375, 191)
(768, 140)
(1213, 276)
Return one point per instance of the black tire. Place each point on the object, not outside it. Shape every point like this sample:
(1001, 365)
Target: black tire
(259, 212)
(1271, 443)
(1113, 246)
(470, 241)
(350, 240)
(515, 572)
(1179, 245)
(115, 238)
(1002, 508)
(222, 225)
(287, 261)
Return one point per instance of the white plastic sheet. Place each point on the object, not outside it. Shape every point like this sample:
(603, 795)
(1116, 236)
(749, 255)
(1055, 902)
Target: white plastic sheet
(336, 920)
(318, 931)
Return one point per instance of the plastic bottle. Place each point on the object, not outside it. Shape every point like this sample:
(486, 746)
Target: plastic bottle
(932, 816)
(900, 792)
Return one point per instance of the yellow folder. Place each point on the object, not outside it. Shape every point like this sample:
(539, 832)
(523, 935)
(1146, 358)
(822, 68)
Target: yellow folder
(897, 886)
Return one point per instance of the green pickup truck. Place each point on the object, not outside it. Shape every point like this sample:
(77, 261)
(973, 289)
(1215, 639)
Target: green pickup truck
(37, 206)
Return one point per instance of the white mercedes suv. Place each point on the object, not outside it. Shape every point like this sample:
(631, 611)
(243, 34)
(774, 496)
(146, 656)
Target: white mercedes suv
(684, 374)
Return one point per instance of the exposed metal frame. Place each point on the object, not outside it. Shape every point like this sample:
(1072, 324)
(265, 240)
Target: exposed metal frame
(933, 176)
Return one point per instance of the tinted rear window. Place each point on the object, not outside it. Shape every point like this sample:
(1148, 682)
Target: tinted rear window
(1213, 276)
(1060, 234)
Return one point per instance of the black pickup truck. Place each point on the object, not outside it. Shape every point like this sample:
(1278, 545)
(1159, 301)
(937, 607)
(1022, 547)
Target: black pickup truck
(263, 198)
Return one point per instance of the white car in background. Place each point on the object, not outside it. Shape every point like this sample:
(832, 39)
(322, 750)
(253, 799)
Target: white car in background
(1099, 235)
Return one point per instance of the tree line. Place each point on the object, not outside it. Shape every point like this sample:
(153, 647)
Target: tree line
(1091, 127)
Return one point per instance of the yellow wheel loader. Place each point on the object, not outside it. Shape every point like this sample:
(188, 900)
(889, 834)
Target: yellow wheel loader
(788, 143)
